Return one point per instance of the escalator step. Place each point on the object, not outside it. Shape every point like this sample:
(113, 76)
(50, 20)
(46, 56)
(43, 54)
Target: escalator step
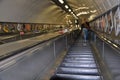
(69, 61)
(79, 65)
(75, 77)
(80, 51)
(78, 71)
(77, 48)
(87, 53)
(81, 59)
(88, 56)
(80, 48)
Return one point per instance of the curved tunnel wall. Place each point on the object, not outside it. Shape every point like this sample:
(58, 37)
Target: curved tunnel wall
(30, 11)
(46, 11)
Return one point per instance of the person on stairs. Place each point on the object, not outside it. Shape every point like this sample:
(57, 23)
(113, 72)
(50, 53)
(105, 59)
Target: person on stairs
(85, 31)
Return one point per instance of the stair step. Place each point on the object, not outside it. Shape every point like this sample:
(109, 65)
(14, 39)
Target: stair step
(69, 61)
(76, 77)
(88, 56)
(80, 51)
(81, 59)
(78, 71)
(84, 53)
(79, 65)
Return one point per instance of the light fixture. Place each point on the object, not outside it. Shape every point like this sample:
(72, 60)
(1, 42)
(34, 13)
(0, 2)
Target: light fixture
(81, 8)
(94, 11)
(105, 39)
(75, 16)
(66, 6)
(69, 10)
(109, 41)
(115, 45)
(82, 13)
(63, 4)
(61, 1)
(75, 21)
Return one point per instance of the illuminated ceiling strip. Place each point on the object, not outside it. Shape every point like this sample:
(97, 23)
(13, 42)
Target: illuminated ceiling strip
(70, 10)
(105, 39)
(81, 13)
(81, 8)
(109, 41)
(115, 45)
(61, 1)
(66, 6)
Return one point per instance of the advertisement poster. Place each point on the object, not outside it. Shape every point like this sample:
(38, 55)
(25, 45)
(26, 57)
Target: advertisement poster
(103, 23)
(100, 26)
(27, 27)
(11, 27)
(20, 27)
(15, 27)
(0, 28)
(97, 22)
(6, 28)
(32, 27)
(110, 22)
(95, 25)
(117, 21)
(106, 23)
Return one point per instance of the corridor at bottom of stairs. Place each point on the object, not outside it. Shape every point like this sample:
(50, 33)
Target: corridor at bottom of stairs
(78, 64)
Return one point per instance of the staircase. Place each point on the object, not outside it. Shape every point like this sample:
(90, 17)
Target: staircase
(78, 64)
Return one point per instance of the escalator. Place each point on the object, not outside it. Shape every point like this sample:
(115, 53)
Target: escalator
(78, 64)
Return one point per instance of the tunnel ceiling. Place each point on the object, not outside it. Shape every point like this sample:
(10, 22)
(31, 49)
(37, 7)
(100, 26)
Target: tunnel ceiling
(31, 11)
(91, 8)
(46, 11)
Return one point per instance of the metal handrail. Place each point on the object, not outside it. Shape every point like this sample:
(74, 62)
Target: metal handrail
(113, 45)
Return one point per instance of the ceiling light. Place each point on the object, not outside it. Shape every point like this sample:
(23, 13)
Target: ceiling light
(75, 21)
(69, 10)
(105, 39)
(75, 16)
(109, 41)
(115, 45)
(61, 1)
(81, 8)
(81, 13)
(92, 17)
(66, 6)
(94, 11)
